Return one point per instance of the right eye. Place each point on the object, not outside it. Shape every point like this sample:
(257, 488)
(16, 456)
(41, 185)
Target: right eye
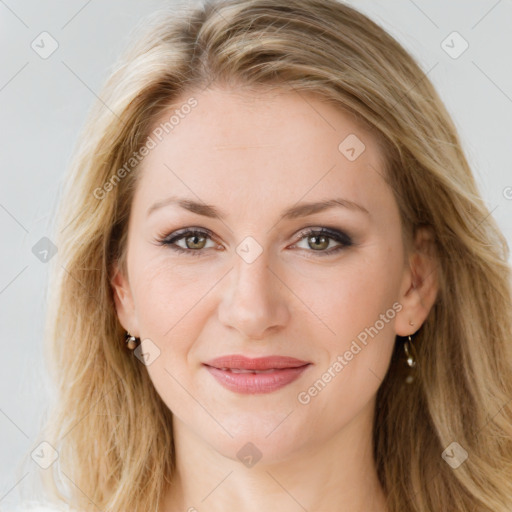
(194, 241)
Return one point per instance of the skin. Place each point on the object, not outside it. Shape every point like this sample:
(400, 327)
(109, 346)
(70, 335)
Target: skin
(254, 155)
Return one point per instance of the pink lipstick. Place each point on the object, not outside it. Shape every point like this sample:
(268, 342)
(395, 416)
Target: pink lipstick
(259, 375)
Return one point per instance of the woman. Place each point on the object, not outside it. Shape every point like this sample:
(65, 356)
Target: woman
(278, 287)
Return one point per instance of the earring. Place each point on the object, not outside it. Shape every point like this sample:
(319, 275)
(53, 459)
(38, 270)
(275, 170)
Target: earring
(410, 358)
(131, 341)
(408, 349)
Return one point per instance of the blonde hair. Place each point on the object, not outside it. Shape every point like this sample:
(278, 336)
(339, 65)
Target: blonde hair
(111, 429)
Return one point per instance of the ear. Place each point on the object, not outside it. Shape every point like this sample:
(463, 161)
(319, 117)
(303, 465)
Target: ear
(420, 284)
(123, 300)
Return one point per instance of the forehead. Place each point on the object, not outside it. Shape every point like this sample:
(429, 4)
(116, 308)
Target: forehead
(242, 146)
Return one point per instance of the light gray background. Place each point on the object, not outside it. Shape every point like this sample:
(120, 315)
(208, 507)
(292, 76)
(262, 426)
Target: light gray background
(44, 103)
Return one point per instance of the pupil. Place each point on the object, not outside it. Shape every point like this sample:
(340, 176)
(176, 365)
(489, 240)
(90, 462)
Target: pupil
(195, 238)
(322, 242)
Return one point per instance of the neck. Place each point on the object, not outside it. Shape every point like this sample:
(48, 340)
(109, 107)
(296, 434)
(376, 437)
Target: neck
(334, 474)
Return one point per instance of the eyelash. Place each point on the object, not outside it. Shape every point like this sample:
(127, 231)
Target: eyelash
(339, 236)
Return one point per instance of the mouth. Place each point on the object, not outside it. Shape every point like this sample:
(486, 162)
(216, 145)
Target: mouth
(255, 375)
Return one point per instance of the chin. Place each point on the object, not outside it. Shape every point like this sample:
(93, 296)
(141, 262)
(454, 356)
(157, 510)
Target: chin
(261, 442)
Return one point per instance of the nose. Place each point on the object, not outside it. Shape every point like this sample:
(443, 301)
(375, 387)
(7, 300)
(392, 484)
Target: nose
(254, 299)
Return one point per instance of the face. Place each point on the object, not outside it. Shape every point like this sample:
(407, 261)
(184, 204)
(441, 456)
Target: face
(255, 282)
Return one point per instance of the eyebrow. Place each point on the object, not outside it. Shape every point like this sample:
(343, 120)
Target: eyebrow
(296, 211)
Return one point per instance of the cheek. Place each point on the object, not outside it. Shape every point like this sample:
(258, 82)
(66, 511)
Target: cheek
(356, 294)
(169, 311)
(165, 307)
(166, 296)
(361, 309)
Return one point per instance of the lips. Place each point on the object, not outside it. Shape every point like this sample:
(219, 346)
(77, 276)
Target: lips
(255, 375)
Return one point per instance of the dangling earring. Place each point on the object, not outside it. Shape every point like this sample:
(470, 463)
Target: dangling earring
(408, 349)
(131, 341)
(410, 358)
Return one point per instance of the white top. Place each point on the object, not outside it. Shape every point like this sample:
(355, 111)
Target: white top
(41, 507)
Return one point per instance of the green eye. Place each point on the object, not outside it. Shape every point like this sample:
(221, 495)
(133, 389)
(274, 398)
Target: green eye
(196, 240)
(322, 238)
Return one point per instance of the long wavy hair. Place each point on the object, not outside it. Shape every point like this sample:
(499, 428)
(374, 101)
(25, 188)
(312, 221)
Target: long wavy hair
(109, 426)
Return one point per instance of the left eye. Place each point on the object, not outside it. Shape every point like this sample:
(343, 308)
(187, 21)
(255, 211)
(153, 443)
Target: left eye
(320, 239)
